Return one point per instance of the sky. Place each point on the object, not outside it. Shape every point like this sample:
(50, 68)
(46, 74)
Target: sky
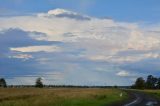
(79, 42)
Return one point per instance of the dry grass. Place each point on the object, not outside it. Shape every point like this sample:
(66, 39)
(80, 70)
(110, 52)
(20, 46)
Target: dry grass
(59, 97)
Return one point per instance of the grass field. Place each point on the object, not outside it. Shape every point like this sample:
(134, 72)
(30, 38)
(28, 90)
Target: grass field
(155, 93)
(59, 96)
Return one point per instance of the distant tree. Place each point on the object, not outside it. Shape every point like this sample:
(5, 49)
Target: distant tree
(3, 82)
(151, 82)
(115, 86)
(39, 83)
(140, 83)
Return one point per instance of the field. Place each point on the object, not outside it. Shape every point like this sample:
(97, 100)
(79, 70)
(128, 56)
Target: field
(60, 96)
(155, 93)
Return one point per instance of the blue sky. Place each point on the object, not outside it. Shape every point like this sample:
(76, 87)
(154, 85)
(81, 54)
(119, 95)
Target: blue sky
(124, 10)
(80, 42)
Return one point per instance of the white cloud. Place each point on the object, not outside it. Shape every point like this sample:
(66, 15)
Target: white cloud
(63, 14)
(123, 74)
(91, 49)
(22, 56)
(125, 58)
(59, 11)
(102, 39)
(36, 49)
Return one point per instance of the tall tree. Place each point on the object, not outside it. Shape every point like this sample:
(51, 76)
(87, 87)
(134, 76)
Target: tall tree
(39, 83)
(3, 82)
(140, 83)
(151, 82)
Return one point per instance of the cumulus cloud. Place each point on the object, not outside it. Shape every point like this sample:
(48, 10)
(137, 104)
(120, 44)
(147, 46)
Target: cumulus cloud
(94, 35)
(73, 39)
(19, 38)
(13, 41)
(123, 74)
(61, 13)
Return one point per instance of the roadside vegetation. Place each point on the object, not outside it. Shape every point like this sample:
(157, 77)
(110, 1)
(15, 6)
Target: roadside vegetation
(149, 86)
(155, 93)
(60, 96)
(150, 83)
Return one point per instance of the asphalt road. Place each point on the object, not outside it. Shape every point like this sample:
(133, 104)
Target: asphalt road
(141, 99)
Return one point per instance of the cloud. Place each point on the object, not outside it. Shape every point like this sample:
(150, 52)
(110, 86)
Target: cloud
(61, 13)
(22, 56)
(123, 74)
(19, 50)
(61, 41)
(145, 66)
(36, 49)
(19, 38)
(16, 39)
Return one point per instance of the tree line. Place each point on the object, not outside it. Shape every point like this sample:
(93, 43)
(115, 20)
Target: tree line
(39, 84)
(150, 83)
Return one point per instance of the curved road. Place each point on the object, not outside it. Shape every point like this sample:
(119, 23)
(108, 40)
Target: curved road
(142, 99)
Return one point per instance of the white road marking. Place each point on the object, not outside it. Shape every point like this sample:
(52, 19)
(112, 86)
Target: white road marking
(132, 103)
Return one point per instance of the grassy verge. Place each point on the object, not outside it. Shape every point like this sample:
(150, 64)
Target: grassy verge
(155, 93)
(60, 97)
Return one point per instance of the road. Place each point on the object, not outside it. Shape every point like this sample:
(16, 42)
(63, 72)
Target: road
(142, 99)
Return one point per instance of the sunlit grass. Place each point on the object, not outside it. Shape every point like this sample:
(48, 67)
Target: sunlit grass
(59, 97)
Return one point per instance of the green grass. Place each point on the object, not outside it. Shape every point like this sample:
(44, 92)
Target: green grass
(155, 93)
(60, 97)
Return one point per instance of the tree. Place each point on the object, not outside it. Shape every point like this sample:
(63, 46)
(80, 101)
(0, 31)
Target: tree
(140, 83)
(3, 82)
(158, 83)
(115, 86)
(39, 83)
(151, 82)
